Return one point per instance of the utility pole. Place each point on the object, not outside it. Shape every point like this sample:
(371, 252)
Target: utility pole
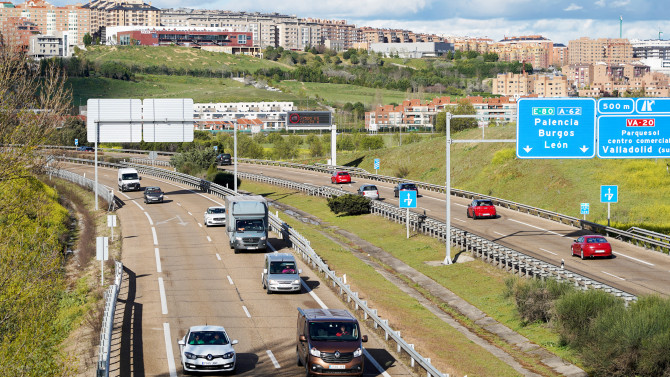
(620, 27)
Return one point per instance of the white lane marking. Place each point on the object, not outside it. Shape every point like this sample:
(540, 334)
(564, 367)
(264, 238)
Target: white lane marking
(189, 213)
(457, 219)
(200, 225)
(613, 275)
(504, 235)
(229, 279)
(161, 290)
(179, 204)
(548, 251)
(458, 204)
(635, 259)
(218, 256)
(158, 260)
(124, 194)
(376, 364)
(246, 311)
(209, 239)
(272, 357)
(168, 350)
(138, 205)
(537, 227)
(153, 230)
(151, 222)
(314, 296)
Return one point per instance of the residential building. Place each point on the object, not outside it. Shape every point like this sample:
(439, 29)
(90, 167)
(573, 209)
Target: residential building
(654, 52)
(47, 19)
(579, 75)
(110, 13)
(222, 116)
(336, 34)
(608, 50)
(16, 31)
(49, 46)
(520, 85)
(412, 50)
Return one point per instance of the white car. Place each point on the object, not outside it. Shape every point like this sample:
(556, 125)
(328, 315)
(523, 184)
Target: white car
(207, 349)
(215, 216)
(369, 191)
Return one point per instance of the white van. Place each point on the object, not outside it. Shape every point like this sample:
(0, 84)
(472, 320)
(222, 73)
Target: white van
(129, 180)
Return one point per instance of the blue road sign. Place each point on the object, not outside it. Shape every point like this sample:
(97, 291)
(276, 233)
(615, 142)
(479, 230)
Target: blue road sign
(616, 106)
(652, 106)
(216, 148)
(609, 194)
(76, 142)
(584, 209)
(376, 163)
(556, 128)
(634, 136)
(407, 199)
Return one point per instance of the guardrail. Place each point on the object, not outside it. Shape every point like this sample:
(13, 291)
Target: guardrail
(301, 245)
(148, 161)
(104, 192)
(111, 295)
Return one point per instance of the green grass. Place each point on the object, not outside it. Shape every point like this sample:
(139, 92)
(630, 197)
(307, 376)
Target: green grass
(176, 57)
(201, 89)
(476, 282)
(339, 94)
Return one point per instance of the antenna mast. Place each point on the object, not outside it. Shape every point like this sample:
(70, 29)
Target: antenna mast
(620, 26)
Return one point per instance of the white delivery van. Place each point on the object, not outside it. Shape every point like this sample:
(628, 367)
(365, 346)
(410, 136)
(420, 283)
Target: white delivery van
(129, 180)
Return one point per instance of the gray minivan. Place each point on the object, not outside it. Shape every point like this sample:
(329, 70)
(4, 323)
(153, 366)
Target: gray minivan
(280, 273)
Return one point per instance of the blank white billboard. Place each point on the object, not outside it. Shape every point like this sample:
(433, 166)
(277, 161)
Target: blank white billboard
(168, 120)
(120, 120)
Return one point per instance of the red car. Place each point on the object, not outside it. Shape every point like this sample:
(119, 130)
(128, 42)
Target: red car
(340, 177)
(481, 208)
(591, 246)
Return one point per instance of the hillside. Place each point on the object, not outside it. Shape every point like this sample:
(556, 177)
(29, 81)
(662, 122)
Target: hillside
(555, 185)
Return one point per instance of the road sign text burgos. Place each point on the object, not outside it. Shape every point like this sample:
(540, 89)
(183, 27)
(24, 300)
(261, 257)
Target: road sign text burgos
(309, 119)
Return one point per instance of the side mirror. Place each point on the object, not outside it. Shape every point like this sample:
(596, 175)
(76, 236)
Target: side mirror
(574, 241)
(300, 270)
(364, 338)
(265, 270)
(181, 342)
(303, 339)
(234, 342)
(140, 178)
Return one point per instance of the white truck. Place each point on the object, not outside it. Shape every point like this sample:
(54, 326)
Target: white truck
(128, 180)
(247, 222)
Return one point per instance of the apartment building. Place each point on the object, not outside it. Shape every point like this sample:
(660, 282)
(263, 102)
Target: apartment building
(579, 75)
(16, 31)
(653, 52)
(626, 79)
(49, 46)
(480, 45)
(414, 114)
(108, 13)
(412, 50)
(336, 34)
(608, 50)
(224, 116)
(46, 19)
(520, 85)
(296, 35)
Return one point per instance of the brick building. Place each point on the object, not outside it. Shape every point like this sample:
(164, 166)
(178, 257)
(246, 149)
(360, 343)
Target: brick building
(46, 19)
(608, 50)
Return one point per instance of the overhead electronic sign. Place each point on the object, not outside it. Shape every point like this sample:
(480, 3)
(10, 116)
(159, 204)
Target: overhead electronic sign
(309, 119)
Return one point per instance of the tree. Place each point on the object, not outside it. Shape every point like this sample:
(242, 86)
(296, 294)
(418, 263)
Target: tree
(88, 39)
(463, 108)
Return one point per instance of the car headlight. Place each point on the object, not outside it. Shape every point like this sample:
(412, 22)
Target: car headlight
(315, 352)
(238, 238)
(190, 355)
(272, 282)
(296, 281)
(263, 238)
(358, 353)
(229, 355)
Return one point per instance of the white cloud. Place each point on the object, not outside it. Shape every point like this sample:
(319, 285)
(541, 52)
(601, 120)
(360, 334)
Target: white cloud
(620, 3)
(600, 3)
(572, 7)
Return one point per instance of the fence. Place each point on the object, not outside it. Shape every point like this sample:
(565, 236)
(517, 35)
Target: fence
(111, 295)
(104, 192)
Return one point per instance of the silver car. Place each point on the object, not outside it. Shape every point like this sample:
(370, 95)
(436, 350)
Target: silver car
(280, 273)
(215, 216)
(369, 191)
(207, 349)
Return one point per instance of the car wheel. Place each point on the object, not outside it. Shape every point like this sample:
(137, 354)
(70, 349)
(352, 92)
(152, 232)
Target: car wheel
(268, 291)
(582, 254)
(236, 251)
(307, 373)
(467, 214)
(297, 356)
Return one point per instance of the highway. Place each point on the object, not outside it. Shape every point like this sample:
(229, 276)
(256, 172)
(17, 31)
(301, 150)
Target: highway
(179, 273)
(634, 269)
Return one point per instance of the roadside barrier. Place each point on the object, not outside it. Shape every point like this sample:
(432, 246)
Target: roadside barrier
(104, 192)
(111, 295)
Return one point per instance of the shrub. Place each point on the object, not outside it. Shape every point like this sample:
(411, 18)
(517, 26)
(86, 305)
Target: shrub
(503, 156)
(535, 298)
(349, 204)
(225, 179)
(402, 171)
(371, 143)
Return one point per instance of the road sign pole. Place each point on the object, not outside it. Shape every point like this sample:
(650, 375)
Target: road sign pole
(408, 223)
(333, 145)
(447, 232)
(97, 137)
(608, 214)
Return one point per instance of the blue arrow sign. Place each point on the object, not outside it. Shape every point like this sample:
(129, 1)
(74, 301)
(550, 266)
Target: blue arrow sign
(653, 105)
(407, 199)
(634, 136)
(609, 194)
(584, 210)
(556, 128)
(376, 164)
(76, 142)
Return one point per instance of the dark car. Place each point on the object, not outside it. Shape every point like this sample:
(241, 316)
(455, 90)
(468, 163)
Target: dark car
(85, 149)
(405, 187)
(481, 208)
(591, 246)
(224, 159)
(153, 194)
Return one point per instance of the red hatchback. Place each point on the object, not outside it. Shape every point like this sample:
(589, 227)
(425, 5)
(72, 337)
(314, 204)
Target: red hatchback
(340, 177)
(591, 246)
(481, 208)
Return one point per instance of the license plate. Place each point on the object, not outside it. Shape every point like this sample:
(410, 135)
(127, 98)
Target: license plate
(600, 251)
(336, 367)
(209, 363)
(252, 247)
(486, 214)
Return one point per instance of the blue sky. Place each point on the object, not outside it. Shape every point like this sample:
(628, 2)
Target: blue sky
(558, 20)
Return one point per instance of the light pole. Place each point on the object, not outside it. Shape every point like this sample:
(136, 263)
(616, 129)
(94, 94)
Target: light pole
(447, 233)
(235, 153)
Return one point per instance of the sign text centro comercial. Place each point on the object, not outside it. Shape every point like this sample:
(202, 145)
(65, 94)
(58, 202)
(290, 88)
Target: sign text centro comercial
(556, 128)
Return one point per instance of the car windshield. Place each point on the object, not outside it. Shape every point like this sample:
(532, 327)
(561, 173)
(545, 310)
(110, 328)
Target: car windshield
(407, 186)
(370, 188)
(153, 191)
(216, 210)
(282, 268)
(343, 173)
(129, 176)
(250, 225)
(333, 331)
(208, 337)
(485, 203)
(596, 240)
